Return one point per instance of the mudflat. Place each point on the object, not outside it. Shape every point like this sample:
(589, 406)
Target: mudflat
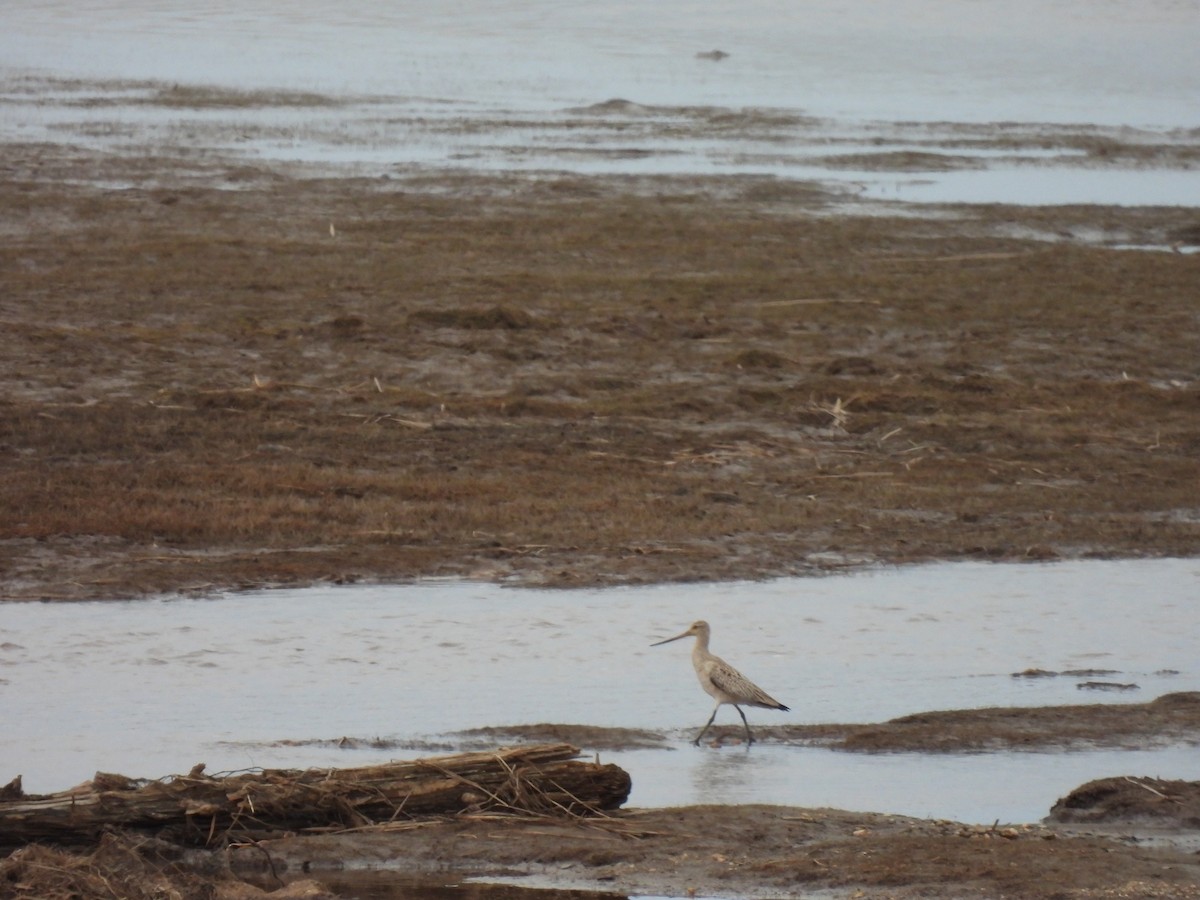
(218, 376)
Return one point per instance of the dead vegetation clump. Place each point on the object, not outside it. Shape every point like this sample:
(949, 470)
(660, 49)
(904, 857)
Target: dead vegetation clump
(1161, 801)
(121, 867)
(140, 829)
(202, 810)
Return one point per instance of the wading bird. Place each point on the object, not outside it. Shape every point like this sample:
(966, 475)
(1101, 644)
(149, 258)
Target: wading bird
(722, 681)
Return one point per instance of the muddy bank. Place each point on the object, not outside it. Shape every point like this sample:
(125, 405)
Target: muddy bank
(752, 851)
(1169, 719)
(763, 851)
(1170, 804)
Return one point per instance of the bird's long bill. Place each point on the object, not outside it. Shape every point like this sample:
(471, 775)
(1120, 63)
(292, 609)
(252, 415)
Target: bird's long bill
(687, 633)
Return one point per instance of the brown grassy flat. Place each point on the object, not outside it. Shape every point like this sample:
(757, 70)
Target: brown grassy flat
(566, 381)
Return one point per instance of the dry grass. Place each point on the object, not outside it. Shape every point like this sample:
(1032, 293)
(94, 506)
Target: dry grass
(120, 868)
(565, 382)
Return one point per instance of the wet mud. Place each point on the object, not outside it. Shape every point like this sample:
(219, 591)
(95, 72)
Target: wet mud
(1169, 719)
(223, 377)
(765, 851)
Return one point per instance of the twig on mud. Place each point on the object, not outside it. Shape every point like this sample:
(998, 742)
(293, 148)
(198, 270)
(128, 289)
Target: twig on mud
(642, 550)
(895, 431)
(1147, 787)
(805, 301)
(624, 458)
(852, 475)
(375, 419)
(722, 454)
(960, 257)
(262, 384)
(837, 411)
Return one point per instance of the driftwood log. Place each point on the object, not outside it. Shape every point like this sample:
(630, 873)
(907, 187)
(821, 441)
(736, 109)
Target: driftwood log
(199, 809)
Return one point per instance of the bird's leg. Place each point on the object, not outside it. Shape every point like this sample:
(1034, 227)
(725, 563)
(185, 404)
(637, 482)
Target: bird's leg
(749, 736)
(706, 725)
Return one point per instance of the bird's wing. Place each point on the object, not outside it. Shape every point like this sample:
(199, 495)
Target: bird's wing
(740, 689)
(730, 681)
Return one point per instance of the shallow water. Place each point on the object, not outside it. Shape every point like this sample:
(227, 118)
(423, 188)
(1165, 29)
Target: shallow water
(395, 137)
(1129, 62)
(1043, 187)
(148, 688)
(494, 87)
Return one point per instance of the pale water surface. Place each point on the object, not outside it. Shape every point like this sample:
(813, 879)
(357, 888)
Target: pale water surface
(148, 688)
(1126, 62)
(479, 85)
